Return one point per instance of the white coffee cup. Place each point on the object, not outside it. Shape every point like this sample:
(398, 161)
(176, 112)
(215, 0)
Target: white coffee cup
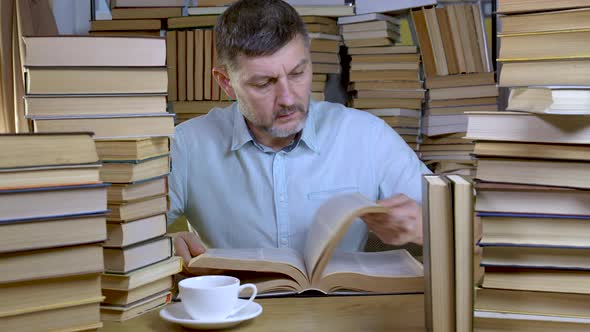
(213, 297)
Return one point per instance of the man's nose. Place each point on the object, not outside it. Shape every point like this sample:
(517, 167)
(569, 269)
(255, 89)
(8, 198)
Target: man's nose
(285, 96)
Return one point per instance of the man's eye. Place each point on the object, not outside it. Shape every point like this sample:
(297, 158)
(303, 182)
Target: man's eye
(299, 73)
(262, 85)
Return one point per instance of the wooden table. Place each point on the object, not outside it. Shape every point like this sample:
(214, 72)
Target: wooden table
(301, 314)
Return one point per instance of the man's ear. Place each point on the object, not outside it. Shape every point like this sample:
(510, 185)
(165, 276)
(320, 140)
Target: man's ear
(222, 78)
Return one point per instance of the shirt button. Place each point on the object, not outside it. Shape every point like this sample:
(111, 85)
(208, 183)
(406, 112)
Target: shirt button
(282, 197)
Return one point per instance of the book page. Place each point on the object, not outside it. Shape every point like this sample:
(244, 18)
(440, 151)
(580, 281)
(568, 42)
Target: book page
(279, 260)
(384, 263)
(331, 222)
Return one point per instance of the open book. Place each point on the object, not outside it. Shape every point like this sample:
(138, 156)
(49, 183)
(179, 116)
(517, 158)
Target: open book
(319, 267)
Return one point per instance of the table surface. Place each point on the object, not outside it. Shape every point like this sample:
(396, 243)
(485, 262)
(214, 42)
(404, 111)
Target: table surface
(324, 313)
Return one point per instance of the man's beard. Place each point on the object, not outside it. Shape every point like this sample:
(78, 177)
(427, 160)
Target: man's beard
(273, 130)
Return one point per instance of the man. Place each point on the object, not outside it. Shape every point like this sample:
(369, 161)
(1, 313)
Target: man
(253, 174)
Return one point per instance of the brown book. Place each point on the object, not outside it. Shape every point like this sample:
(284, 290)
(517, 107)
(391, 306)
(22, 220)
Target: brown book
(53, 232)
(136, 256)
(189, 22)
(540, 128)
(41, 106)
(370, 42)
(460, 109)
(319, 57)
(143, 276)
(377, 58)
(215, 88)
(520, 6)
(39, 295)
(78, 317)
(51, 263)
(396, 49)
(374, 34)
(557, 72)
(415, 104)
(322, 28)
(120, 313)
(296, 273)
(465, 22)
(532, 150)
(200, 107)
(171, 59)
(485, 321)
(484, 51)
(454, 31)
(499, 197)
(477, 91)
(385, 85)
(27, 150)
(385, 66)
(76, 51)
(474, 45)
(52, 202)
(545, 46)
(436, 41)
(571, 19)
(536, 303)
(384, 75)
(326, 68)
(462, 102)
(115, 80)
(181, 65)
(438, 254)
(135, 170)
(318, 19)
(369, 26)
(538, 172)
(324, 45)
(542, 280)
(113, 127)
(403, 94)
(142, 13)
(47, 176)
(199, 63)
(190, 65)
(128, 233)
(451, 81)
(447, 40)
(123, 192)
(424, 41)
(207, 64)
(117, 297)
(132, 148)
(113, 25)
(400, 121)
(133, 210)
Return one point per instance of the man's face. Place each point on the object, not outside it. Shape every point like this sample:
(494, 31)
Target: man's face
(273, 91)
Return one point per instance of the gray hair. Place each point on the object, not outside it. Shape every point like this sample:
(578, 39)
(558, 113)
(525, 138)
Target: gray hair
(256, 28)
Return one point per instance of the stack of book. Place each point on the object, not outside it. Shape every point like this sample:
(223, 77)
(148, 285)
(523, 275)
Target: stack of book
(533, 168)
(459, 78)
(384, 75)
(52, 225)
(125, 108)
(137, 18)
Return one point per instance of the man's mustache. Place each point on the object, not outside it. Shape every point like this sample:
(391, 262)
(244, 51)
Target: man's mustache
(290, 109)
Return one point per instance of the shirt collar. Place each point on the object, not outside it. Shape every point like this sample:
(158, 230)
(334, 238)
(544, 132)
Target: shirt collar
(241, 135)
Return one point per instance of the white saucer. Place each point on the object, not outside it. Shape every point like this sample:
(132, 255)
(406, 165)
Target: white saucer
(175, 313)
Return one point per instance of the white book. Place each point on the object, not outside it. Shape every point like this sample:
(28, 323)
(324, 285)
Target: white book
(316, 2)
(368, 18)
(383, 6)
(320, 35)
(206, 10)
(501, 315)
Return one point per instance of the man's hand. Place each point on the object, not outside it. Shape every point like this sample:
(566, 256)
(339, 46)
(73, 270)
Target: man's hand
(188, 245)
(402, 224)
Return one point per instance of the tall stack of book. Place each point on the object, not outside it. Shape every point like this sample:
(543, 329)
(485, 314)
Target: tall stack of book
(459, 78)
(125, 108)
(533, 167)
(52, 225)
(384, 76)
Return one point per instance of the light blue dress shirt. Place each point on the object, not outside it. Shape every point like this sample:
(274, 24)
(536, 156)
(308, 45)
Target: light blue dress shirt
(239, 194)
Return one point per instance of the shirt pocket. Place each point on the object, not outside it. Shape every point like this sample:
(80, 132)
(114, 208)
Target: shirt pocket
(324, 194)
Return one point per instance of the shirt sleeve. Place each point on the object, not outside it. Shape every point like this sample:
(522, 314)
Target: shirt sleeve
(398, 169)
(177, 180)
